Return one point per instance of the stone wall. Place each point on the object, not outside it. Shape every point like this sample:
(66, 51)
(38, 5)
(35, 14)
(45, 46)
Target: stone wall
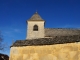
(35, 34)
(69, 51)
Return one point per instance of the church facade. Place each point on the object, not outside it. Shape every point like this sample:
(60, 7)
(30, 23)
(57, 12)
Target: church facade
(46, 43)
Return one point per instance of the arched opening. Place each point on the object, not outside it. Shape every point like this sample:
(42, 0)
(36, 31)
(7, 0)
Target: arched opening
(35, 28)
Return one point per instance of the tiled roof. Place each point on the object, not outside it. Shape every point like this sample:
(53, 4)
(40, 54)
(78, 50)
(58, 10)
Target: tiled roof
(48, 41)
(36, 17)
(50, 32)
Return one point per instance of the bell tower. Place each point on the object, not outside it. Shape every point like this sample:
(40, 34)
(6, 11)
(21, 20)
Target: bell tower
(35, 27)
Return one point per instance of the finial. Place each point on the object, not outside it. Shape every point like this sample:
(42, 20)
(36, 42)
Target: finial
(36, 11)
(12, 41)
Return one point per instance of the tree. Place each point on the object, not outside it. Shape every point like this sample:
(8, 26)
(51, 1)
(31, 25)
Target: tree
(1, 40)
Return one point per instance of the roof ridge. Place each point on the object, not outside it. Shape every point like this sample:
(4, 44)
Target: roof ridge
(63, 28)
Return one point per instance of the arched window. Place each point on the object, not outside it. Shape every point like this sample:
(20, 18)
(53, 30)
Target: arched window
(35, 28)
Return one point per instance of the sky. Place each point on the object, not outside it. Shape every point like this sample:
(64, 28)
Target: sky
(15, 13)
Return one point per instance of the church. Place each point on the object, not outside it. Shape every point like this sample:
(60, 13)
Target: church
(46, 43)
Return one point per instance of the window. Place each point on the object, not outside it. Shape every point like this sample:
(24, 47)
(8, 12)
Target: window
(35, 28)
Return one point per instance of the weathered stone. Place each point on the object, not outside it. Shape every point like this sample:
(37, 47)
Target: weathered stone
(48, 41)
(69, 51)
(46, 44)
(51, 32)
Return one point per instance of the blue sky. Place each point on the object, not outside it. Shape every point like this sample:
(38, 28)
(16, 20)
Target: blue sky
(56, 13)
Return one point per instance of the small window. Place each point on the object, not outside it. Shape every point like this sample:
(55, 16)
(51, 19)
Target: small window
(35, 28)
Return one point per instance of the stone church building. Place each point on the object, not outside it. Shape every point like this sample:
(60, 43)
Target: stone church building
(46, 43)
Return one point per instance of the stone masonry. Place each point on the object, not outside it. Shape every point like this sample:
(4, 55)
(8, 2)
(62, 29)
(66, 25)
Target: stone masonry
(46, 43)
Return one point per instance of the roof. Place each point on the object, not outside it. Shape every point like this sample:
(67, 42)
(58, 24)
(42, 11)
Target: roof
(36, 17)
(47, 41)
(50, 32)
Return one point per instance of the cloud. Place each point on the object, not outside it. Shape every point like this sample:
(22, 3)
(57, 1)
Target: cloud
(17, 30)
(10, 32)
(71, 26)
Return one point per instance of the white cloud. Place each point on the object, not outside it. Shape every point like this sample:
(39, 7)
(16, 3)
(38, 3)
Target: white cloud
(71, 26)
(17, 30)
(10, 32)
